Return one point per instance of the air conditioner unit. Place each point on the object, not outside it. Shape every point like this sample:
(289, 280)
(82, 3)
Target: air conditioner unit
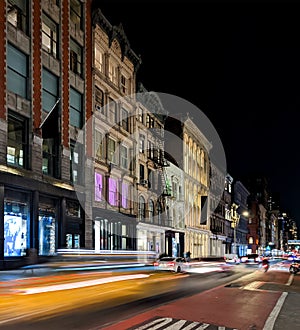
(144, 182)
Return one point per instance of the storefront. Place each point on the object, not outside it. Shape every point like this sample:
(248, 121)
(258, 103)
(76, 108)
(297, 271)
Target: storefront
(113, 230)
(174, 242)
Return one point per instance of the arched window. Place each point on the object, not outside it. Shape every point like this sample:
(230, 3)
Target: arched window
(141, 208)
(250, 240)
(151, 210)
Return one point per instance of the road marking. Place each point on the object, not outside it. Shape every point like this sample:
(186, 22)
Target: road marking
(253, 285)
(289, 282)
(168, 323)
(269, 325)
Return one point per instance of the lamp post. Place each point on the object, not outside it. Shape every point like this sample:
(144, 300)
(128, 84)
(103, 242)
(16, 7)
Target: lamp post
(235, 217)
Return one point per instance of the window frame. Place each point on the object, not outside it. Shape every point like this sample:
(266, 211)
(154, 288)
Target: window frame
(52, 36)
(74, 110)
(76, 58)
(22, 121)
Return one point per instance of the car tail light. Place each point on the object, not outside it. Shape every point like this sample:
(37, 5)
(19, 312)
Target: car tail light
(171, 263)
(155, 264)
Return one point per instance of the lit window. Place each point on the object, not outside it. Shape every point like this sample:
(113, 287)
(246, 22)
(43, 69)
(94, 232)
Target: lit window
(17, 14)
(125, 195)
(98, 187)
(17, 141)
(76, 158)
(250, 240)
(49, 36)
(113, 72)
(112, 192)
(99, 58)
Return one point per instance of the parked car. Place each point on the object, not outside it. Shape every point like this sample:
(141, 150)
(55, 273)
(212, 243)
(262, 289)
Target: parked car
(175, 264)
(232, 258)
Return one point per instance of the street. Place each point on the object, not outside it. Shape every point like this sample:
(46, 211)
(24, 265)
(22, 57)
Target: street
(96, 300)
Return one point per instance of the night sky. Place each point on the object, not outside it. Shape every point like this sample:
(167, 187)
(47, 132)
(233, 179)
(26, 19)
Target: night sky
(239, 62)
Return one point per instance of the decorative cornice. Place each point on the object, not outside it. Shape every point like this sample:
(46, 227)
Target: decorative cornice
(118, 33)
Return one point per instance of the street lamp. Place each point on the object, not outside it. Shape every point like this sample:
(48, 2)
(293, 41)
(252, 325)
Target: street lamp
(235, 218)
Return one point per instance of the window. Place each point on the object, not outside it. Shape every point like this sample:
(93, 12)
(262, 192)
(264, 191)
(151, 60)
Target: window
(50, 157)
(141, 208)
(75, 108)
(149, 121)
(111, 148)
(112, 192)
(49, 36)
(124, 84)
(50, 90)
(142, 172)
(98, 187)
(125, 120)
(76, 166)
(99, 100)
(112, 111)
(75, 58)
(150, 150)
(76, 13)
(98, 145)
(99, 58)
(151, 210)
(124, 156)
(159, 211)
(142, 143)
(17, 14)
(140, 117)
(17, 71)
(125, 195)
(113, 72)
(17, 145)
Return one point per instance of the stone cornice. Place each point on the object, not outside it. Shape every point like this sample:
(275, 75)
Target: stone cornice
(190, 126)
(116, 32)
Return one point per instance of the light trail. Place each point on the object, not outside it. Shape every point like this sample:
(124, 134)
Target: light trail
(82, 284)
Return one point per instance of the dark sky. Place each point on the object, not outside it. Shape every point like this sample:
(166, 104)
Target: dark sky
(239, 62)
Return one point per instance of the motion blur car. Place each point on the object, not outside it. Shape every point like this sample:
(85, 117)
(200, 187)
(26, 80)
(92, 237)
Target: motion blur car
(252, 258)
(232, 258)
(175, 264)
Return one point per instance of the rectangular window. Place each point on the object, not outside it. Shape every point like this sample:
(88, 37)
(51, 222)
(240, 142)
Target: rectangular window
(150, 150)
(75, 57)
(17, 14)
(125, 195)
(49, 36)
(98, 145)
(99, 100)
(124, 84)
(125, 120)
(142, 172)
(111, 148)
(142, 143)
(98, 187)
(76, 113)
(76, 11)
(112, 111)
(17, 145)
(76, 162)
(50, 90)
(112, 192)
(113, 72)
(17, 71)
(50, 157)
(140, 117)
(99, 58)
(124, 156)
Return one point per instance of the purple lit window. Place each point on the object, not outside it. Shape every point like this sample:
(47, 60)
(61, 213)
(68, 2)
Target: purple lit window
(98, 187)
(125, 195)
(113, 192)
